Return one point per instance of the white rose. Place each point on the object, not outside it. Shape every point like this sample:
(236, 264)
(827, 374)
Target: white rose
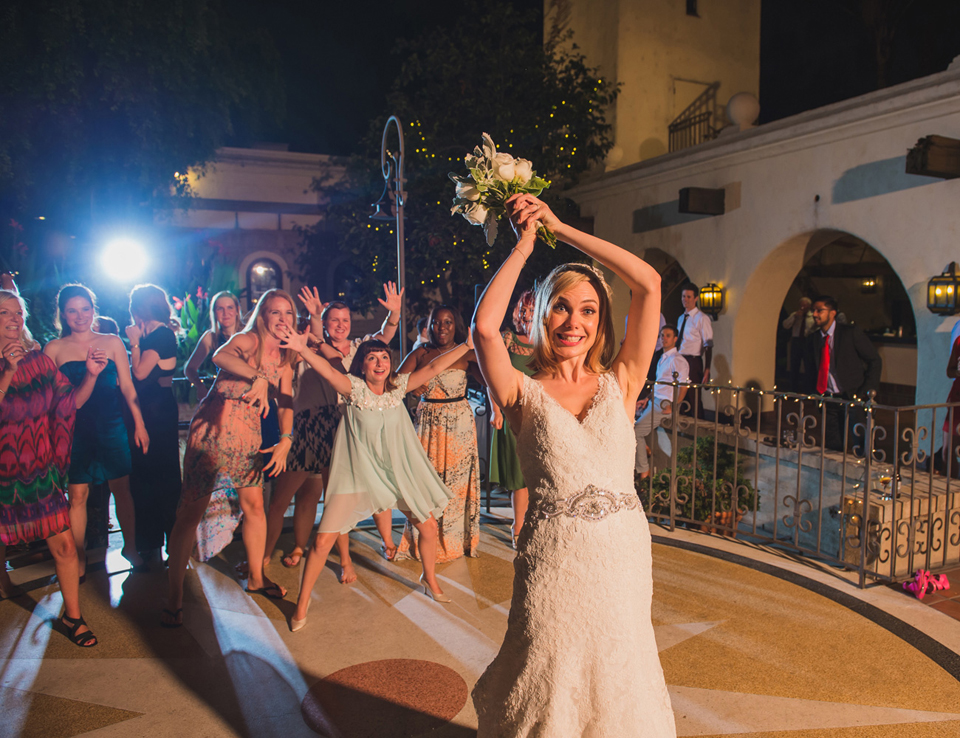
(504, 167)
(524, 170)
(467, 192)
(476, 214)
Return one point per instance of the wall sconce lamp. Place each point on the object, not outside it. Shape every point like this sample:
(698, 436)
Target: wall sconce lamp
(942, 291)
(868, 285)
(711, 299)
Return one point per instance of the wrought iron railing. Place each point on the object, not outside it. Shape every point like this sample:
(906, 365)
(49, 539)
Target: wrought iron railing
(697, 123)
(884, 505)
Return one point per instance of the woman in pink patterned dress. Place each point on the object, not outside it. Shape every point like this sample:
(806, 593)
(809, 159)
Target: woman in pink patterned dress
(223, 449)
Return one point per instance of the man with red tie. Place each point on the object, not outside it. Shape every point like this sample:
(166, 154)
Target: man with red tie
(846, 366)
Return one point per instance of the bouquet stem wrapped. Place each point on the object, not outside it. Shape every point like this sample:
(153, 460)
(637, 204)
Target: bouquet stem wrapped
(493, 178)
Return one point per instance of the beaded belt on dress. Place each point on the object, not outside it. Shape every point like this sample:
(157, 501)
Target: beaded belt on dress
(439, 400)
(590, 503)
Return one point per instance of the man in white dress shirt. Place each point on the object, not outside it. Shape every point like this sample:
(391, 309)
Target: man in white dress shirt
(655, 408)
(695, 343)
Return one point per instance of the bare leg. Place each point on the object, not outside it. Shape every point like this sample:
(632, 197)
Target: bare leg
(78, 494)
(123, 502)
(254, 535)
(427, 544)
(520, 499)
(64, 551)
(384, 522)
(348, 574)
(305, 514)
(316, 558)
(284, 489)
(181, 543)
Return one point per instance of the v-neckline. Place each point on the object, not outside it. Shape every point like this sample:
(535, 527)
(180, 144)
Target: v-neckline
(587, 412)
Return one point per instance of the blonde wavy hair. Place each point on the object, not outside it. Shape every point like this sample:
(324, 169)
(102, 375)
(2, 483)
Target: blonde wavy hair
(562, 279)
(26, 338)
(255, 325)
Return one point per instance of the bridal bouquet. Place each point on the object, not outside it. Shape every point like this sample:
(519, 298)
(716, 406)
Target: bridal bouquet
(494, 178)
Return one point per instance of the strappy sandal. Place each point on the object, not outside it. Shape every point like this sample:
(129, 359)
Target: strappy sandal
(292, 560)
(86, 639)
(173, 619)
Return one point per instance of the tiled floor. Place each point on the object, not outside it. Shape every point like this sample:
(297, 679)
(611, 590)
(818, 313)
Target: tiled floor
(752, 644)
(946, 601)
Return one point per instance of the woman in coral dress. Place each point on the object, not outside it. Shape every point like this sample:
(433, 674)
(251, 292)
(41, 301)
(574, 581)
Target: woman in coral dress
(224, 445)
(579, 657)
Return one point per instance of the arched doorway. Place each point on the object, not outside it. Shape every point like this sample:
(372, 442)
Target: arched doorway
(672, 278)
(870, 294)
(826, 262)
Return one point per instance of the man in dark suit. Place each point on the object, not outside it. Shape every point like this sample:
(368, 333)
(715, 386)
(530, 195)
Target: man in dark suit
(845, 366)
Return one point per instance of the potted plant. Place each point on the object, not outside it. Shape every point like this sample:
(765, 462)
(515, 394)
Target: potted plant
(705, 496)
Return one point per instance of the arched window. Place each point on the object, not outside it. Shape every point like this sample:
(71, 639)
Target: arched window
(262, 275)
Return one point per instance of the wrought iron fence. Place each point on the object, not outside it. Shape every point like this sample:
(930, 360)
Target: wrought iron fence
(697, 123)
(883, 503)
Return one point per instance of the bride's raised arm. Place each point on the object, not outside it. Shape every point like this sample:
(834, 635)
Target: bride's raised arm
(503, 380)
(643, 321)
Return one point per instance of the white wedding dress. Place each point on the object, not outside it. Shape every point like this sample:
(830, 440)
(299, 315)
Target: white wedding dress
(579, 657)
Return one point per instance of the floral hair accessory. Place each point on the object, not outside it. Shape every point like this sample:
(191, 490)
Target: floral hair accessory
(493, 178)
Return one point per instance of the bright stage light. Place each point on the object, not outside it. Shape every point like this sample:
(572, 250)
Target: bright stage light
(124, 260)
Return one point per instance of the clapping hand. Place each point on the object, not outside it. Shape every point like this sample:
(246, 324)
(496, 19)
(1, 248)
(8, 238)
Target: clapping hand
(310, 298)
(394, 299)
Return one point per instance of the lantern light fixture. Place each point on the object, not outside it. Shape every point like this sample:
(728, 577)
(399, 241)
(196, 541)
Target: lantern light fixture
(942, 291)
(711, 299)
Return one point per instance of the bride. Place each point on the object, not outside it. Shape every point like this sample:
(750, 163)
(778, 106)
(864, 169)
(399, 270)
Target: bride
(579, 657)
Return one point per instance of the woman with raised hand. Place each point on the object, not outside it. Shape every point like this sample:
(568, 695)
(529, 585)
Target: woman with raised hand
(448, 433)
(378, 462)
(579, 656)
(101, 450)
(37, 411)
(155, 474)
(223, 449)
(317, 410)
(504, 462)
(225, 316)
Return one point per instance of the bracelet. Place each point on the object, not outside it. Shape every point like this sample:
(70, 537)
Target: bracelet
(260, 375)
(287, 435)
(521, 254)
(393, 325)
(134, 346)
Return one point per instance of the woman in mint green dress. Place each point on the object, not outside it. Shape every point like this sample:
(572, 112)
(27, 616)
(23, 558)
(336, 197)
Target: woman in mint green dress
(378, 462)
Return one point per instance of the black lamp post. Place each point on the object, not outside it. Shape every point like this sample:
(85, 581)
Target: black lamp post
(390, 207)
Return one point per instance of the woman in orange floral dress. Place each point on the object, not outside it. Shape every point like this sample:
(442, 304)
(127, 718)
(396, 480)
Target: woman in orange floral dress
(448, 433)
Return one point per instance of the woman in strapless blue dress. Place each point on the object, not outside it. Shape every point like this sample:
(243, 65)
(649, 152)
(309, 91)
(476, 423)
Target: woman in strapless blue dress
(101, 450)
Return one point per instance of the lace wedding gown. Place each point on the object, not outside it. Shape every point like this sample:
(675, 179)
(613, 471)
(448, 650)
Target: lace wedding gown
(579, 657)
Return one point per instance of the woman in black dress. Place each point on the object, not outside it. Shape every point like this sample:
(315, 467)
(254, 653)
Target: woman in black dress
(155, 475)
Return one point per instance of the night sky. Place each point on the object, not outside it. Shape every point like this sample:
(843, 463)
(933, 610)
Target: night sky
(339, 58)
